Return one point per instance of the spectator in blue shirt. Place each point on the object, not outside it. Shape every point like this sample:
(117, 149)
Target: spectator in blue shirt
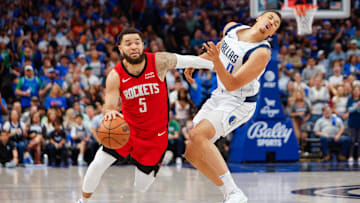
(56, 98)
(28, 86)
(337, 54)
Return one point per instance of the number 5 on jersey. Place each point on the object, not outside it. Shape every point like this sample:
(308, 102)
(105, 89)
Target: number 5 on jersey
(142, 105)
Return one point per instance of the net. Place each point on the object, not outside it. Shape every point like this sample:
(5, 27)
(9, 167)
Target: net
(304, 14)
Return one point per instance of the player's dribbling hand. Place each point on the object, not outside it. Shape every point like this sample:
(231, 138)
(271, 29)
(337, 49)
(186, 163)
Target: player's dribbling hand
(188, 75)
(111, 115)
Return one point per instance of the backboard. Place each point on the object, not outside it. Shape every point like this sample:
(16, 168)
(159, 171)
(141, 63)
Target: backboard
(331, 9)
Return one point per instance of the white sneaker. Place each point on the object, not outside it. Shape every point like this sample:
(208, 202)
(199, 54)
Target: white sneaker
(236, 196)
(351, 159)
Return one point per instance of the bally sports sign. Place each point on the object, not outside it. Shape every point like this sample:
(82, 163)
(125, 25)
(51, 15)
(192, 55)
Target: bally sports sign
(266, 136)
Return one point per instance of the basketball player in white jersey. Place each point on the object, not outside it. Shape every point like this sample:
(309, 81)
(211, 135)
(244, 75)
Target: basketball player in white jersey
(239, 59)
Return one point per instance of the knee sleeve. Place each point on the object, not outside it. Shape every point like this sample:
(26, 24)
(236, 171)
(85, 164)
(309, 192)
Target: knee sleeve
(97, 168)
(142, 180)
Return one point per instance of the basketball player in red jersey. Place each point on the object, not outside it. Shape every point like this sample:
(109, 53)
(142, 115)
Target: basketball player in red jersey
(139, 81)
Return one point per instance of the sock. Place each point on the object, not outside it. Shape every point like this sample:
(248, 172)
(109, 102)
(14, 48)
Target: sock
(143, 181)
(229, 183)
(222, 189)
(81, 157)
(84, 200)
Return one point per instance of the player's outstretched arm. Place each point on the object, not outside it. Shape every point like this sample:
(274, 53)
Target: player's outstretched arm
(112, 96)
(249, 71)
(166, 60)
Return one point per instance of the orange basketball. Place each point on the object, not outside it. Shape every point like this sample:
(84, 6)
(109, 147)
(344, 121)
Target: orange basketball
(114, 134)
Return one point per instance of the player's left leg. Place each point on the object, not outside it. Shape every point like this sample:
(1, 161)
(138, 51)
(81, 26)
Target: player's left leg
(147, 155)
(97, 168)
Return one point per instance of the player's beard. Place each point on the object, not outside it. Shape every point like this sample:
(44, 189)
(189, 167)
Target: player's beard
(134, 60)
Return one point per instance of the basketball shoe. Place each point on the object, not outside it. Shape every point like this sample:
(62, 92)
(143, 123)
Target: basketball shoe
(236, 196)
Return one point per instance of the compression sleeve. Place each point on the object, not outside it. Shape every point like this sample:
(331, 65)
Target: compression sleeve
(188, 61)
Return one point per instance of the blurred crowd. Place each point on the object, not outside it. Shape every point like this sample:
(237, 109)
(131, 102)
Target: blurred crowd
(55, 56)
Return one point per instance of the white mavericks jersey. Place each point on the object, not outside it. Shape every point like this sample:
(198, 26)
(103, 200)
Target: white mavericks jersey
(234, 53)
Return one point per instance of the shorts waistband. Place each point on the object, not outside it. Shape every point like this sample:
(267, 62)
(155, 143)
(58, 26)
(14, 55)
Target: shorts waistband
(252, 98)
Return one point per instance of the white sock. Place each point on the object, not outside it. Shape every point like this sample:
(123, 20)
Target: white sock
(229, 183)
(84, 200)
(222, 189)
(142, 180)
(81, 157)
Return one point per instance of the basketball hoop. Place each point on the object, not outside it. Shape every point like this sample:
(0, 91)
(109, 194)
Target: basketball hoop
(304, 14)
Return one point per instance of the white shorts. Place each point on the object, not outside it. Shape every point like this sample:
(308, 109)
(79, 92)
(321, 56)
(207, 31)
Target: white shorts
(225, 113)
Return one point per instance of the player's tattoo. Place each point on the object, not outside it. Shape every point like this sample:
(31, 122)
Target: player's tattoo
(164, 61)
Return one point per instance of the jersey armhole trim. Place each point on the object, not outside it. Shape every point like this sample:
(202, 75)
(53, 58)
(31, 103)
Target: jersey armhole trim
(250, 51)
(232, 27)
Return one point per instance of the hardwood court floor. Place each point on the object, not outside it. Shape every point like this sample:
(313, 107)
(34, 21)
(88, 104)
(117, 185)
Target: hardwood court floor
(180, 185)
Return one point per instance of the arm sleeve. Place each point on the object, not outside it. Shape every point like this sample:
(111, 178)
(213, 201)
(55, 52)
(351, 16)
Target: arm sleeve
(188, 61)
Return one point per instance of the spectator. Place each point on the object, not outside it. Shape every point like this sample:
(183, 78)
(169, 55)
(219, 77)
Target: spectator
(80, 138)
(319, 97)
(93, 95)
(337, 54)
(183, 107)
(57, 145)
(325, 63)
(353, 107)
(69, 119)
(63, 66)
(3, 109)
(55, 99)
(95, 124)
(311, 70)
(339, 103)
(6, 56)
(48, 82)
(330, 129)
(75, 95)
(48, 121)
(95, 64)
(17, 133)
(36, 136)
(337, 78)
(352, 66)
(300, 113)
(299, 84)
(88, 79)
(205, 83)
(354, 50)
(198, 40)
(28, 86)
(81, 62)
(26, 116)
(293, 59)
(8, 152)
(176, 142)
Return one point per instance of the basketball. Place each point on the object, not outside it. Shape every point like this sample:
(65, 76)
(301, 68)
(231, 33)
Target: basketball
(114, 134)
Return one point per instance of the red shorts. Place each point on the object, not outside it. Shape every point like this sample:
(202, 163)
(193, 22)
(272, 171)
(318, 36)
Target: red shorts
(146, 147)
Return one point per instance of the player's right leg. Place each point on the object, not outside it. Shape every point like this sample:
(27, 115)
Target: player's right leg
(97, 168)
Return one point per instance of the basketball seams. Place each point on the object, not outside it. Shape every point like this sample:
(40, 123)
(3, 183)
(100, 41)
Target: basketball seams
(114, 133)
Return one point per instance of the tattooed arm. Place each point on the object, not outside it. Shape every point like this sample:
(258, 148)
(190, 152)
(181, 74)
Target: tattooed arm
(165, 61)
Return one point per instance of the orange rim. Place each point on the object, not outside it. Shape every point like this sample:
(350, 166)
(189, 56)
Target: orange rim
(301, 9)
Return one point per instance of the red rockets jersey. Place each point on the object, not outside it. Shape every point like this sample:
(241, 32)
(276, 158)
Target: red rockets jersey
(144, 97)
